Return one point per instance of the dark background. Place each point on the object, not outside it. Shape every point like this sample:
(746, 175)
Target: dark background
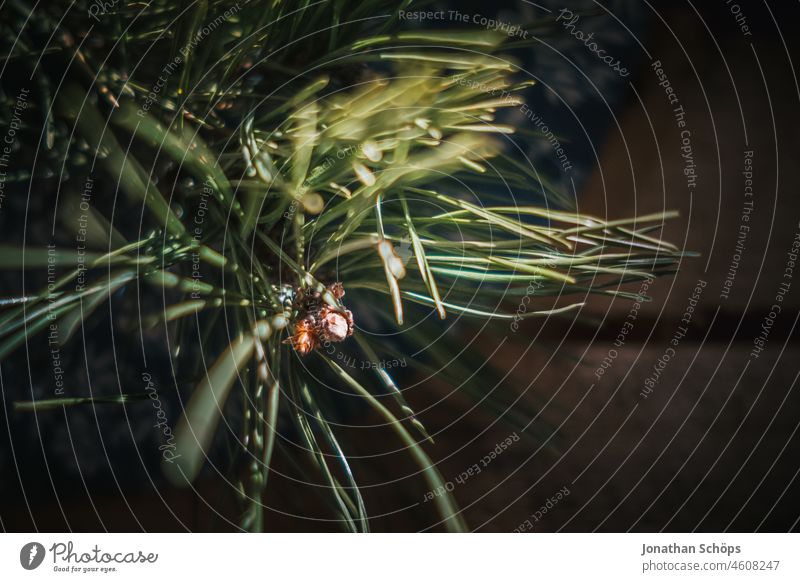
(713, 448)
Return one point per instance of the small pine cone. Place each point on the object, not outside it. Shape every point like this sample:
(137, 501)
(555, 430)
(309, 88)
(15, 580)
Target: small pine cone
(335, 325)
(304, 340)
(337, 289)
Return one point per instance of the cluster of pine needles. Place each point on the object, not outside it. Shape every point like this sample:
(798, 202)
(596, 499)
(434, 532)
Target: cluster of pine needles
(244, 157)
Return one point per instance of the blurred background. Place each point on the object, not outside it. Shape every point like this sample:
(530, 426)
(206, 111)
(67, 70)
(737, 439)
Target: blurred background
(706, 440)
